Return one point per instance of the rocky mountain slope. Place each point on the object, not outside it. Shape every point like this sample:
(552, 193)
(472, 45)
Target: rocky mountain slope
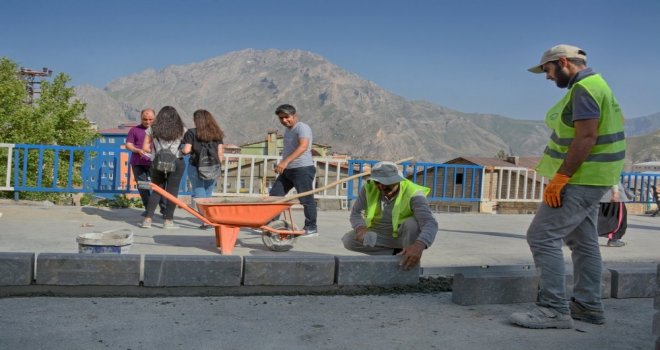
(351, 114)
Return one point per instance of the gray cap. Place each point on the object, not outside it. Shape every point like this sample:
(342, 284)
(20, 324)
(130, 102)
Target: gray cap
(386, 173)
(555, 52)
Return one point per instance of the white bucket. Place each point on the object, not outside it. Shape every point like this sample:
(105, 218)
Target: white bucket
(113, 241)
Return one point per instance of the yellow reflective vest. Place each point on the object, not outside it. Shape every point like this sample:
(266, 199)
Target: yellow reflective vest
(401, 209)
(604, 164)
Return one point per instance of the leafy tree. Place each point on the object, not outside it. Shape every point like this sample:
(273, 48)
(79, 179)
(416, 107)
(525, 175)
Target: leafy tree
(55, 118)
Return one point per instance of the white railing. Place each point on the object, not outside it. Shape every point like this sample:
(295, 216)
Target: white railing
(513, 184)
(253, 175)
(5, 176)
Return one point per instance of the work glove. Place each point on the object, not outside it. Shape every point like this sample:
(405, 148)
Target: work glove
(552, 193)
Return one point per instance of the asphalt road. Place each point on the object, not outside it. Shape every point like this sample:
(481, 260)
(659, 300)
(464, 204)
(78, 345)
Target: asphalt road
(412, 321)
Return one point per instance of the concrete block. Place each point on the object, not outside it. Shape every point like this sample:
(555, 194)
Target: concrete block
(192, 270)
(374, 270)
(605, 284)
(495, 287)
(309, 270)
(436, 271)
(16, 269)
(633, 282)
(656, 324)
(88, 269)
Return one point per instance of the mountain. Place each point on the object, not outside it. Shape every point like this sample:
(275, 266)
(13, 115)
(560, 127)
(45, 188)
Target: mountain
(351, 114)
(644, 148)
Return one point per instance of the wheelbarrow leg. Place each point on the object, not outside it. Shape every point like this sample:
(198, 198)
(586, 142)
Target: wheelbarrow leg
(225, 238)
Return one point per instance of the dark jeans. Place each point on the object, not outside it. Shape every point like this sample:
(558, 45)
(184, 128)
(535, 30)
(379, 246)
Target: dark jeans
(171, 182)
(141, 173)
(302, 179)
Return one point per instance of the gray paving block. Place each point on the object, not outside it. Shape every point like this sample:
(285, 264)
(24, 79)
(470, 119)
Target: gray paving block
(495, 287)
(633, 282)
(192, 270)
(88, 269)
(374, 270)
(605, 285)
(16, 269)
(656, 323)
(453, 270)
(307, 270)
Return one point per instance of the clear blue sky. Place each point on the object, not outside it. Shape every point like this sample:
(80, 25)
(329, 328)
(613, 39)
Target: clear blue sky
(470, 55)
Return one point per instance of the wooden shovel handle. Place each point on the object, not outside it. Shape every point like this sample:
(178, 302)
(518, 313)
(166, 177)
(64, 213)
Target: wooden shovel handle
(307, 193)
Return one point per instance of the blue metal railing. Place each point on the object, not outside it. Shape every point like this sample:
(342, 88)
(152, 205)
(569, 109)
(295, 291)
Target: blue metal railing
(640, 184)
(87, 169)
(448, 182)
(105, 171)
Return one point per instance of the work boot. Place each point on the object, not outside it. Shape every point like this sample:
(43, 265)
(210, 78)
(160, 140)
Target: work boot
(542, 317)
(581, 313)
(615, 243)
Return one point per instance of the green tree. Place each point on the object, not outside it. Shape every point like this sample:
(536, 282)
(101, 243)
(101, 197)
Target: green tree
(55, 118)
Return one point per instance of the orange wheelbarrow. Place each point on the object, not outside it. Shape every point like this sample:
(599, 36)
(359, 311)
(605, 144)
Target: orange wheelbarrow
(227, 215)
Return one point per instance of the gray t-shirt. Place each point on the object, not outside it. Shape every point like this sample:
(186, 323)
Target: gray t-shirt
(582, 105)
(292, 140)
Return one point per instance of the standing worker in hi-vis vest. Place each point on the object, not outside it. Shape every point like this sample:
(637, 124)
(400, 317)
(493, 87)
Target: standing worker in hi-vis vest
(584, 158)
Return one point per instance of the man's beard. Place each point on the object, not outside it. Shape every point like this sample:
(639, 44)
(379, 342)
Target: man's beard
(561, 78)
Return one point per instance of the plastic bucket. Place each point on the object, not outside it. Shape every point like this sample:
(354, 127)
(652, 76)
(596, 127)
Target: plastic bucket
(113, 241)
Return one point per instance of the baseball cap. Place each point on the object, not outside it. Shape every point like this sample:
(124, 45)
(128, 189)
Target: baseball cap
(555, 52)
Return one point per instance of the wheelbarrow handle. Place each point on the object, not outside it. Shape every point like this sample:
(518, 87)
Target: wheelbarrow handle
(177, 201)
(307, 193)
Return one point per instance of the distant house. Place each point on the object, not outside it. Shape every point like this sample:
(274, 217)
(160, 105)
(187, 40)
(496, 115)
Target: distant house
(114, 136)
(509, 185)
(273, 145)
(653, 167)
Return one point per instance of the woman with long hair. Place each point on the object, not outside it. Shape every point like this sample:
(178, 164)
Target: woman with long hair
(205, 136)
(165, 133)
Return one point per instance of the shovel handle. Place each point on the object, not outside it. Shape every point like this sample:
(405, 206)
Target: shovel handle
(307, 193)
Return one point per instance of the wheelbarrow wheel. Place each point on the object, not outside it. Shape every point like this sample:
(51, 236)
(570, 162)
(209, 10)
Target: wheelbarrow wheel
(279, 242)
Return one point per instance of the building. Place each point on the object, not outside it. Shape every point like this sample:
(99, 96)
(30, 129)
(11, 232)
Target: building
(646, 167)
(509, 185)
(273, 144)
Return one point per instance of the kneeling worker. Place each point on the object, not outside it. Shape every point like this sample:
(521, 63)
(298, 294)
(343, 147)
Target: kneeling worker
(391, 216)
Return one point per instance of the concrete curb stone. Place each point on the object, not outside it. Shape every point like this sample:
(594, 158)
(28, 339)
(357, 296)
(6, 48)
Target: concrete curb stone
(192, 270)
(16, 269)
(633, 282)
(302, 270)
(71, 269)
(374, 270)
(495, 288)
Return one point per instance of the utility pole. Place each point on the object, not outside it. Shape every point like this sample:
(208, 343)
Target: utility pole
(33, 79)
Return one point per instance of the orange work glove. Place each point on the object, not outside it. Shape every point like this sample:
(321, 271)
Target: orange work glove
(552, 193)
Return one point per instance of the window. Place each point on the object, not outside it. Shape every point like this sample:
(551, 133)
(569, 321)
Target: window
(459, 179)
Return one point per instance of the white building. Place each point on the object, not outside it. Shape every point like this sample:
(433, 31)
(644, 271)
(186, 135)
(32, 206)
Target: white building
(646, 167)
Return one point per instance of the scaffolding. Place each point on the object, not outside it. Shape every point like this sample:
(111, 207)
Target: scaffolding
(33, 79)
